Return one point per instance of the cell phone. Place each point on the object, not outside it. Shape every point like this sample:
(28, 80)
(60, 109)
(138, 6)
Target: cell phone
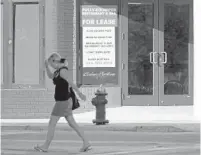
(62, 60)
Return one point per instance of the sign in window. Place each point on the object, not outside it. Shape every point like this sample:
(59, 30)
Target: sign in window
(99, 28)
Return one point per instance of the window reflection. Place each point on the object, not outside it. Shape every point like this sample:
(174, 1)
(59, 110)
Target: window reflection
(176, 40)
(140, 44)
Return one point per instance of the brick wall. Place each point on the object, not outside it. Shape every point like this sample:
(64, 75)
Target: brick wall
(38, 103)
(60, 36)
(26, 103)
(18, 104)
(65, 29)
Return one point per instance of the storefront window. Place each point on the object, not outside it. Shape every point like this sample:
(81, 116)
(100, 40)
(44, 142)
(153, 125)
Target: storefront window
(140, 44)
(99, 50)
(26, 49)
(176, 25)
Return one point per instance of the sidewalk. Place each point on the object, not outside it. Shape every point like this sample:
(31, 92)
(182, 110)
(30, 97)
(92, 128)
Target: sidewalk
(165, 127)
(163, 119)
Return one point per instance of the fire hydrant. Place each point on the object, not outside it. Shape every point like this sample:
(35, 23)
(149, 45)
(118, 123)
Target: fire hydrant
(99, 102)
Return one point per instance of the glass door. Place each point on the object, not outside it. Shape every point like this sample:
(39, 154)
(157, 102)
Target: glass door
(139, 52)
(176, 52)
(157, 52)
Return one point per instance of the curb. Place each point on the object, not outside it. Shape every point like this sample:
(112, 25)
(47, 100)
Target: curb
(108, 127)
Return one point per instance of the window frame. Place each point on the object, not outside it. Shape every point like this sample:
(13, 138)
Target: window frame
(2, 55)
(9, 49)
(78, 46)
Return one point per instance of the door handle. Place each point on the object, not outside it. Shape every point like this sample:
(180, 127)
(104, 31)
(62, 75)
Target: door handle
(152, 57)
(164, 58)
(10, 41)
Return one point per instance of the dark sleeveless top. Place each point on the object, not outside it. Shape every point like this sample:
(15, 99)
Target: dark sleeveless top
(62, 92)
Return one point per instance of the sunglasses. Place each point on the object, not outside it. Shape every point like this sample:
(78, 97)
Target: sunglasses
(58, 61)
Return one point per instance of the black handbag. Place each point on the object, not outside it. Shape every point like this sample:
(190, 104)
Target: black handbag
(76, 103)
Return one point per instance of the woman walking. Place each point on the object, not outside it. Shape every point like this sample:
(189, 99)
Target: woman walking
(64, 101)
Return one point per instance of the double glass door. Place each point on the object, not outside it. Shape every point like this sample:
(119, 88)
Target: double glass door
(157, 52)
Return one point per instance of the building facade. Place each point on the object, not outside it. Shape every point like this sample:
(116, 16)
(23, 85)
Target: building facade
(140, 50)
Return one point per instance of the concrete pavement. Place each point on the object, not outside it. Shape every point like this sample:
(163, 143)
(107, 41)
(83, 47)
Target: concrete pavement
(134, 127)
(164, 119)
(104, 143)
(130, 114)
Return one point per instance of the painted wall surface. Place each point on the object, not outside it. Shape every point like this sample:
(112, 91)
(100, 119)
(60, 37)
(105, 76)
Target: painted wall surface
(26, 46)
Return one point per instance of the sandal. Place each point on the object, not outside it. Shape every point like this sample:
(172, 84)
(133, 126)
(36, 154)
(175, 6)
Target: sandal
(38, 148)
(86, 148)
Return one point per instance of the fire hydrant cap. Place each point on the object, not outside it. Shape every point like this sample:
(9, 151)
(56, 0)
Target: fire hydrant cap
(101, 93)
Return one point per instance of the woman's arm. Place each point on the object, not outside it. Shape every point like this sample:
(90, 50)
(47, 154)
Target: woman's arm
(64, 75)
(49, 73)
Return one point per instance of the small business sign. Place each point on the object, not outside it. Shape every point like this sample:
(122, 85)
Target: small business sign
(99, 15)
(98, 47)
(99, 44)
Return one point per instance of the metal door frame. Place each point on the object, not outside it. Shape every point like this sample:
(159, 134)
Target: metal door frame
(158, 98)
(172, 100)
(138, 100)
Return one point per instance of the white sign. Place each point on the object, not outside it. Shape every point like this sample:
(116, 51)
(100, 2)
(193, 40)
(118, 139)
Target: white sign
(101, 15)
(98, 47)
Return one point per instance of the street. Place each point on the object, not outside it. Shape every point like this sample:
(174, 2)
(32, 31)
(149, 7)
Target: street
(103, 143)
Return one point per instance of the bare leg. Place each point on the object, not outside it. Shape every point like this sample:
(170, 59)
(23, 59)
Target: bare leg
(50, 134)
(74, 125)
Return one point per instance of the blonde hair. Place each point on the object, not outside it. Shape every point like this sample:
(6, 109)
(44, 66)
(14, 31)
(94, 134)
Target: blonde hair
(54, 55)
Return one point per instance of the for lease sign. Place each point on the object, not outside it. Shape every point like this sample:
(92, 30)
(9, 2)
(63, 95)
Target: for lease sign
(99, 44)
(93, 15)
(98, 35)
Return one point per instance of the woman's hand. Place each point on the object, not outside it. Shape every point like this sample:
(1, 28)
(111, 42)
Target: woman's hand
(49, 73)
(82, 96)
(46, 63)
